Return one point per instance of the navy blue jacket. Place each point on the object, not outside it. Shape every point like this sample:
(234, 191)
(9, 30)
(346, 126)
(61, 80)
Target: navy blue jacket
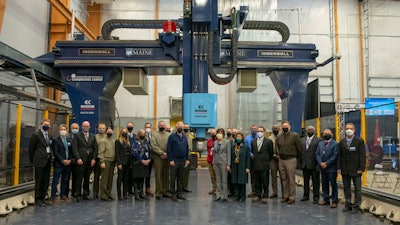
(177, 148)
(327, 154)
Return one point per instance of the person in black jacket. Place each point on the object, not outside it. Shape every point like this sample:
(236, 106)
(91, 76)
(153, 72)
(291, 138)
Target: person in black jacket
(308, 164)
(263, 150)
(351, 164)
(62, 150)
(40, 154)
(84, 147)
(122, 154)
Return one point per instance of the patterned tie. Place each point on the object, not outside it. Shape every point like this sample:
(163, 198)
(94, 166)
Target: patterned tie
(66, 147)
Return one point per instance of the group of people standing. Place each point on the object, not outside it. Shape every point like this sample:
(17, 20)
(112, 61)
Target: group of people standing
(232, 159)
(77, 154)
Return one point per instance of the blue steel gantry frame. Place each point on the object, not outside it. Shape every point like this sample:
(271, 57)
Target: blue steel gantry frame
(205, 44)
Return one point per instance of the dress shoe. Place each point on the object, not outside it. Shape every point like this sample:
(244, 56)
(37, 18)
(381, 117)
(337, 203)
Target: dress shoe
(181, 197)
(158, 197)
(174, 198)
(323, 203)
(273, 196)
(251, 195)
(111, 198)
(222, 200)
(79, 199)
(315, 202)
(39, 203)
(186, 190)
(264, 200)
(86, 197)
(355, 210)
(212, 192)
(148, 192)
(255, 199)
(49, 202)
(291, 201)
(167, 195)
(65, 199)
(106, 199)
(217, 199)
(285, 200)
(347, 209)
(334, 205)
(304, 199)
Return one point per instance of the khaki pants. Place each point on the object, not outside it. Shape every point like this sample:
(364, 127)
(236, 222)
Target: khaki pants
(212, 175)
(287, 169)
(161, 167)
(106, 180)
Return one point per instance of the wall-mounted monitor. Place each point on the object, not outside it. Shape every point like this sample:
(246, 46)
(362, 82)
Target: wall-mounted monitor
(379, 106)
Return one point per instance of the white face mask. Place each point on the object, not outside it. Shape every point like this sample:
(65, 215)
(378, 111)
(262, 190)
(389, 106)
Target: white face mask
(63, 133)
(219, 136)
(148, 130)
(260, 134)
(349, 132)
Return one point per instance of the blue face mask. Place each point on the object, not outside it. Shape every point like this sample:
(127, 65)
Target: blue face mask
(45, 128)
(253, 133)
(74, 131)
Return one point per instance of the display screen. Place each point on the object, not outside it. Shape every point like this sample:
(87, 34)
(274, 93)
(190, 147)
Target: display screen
(379, 106)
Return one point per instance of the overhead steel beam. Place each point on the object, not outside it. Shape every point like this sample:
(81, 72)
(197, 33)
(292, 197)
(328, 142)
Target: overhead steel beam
(57, 4)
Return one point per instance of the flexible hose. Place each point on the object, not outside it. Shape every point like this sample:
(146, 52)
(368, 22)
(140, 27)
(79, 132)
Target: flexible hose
(269, 25)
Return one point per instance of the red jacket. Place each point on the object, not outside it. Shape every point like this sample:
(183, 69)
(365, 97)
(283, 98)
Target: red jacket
(210, 145)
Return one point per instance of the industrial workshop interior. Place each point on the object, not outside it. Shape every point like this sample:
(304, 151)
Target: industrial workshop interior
(236, 74)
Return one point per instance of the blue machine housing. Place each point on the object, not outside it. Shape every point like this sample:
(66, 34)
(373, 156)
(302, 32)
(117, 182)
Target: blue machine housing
(200, 111)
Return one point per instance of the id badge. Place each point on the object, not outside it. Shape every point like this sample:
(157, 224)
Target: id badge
(352, 149)
(48, 149)
(147, 155)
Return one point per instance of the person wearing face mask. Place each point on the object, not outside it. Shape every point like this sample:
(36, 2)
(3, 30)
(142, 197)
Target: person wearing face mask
(351, 165)
(101, 128)
(161, 169)
(131, 138)
(274, 165)
(147, 128)
(142, 155)
(210, 157)
(40, 154)
(289, 147)
(240, 167)
(263, 151)
(326, 156)
(229, 134)
(222, 164)
(308, 164)
(248, 140)
(106, 157)
(122, 155)
(62, 151)
(168, 128)
(74, 128)
(189, 136)
(84, 147)
(178, 158)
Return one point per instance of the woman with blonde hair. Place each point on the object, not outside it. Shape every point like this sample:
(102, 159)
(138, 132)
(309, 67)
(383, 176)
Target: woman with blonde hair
(124, 159)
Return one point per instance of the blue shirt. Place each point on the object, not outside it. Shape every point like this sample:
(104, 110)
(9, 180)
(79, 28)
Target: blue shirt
(248, 140)
(177, 148)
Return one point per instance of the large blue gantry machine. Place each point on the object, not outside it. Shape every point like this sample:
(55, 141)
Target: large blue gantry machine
(202, 44)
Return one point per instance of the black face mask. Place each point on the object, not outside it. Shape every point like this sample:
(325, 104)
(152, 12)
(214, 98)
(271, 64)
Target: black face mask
(276, 132)
(213, 136)
(228, 134)
(285, 130)
(142, 137)
(327, 137)
(179, 130)
(161, 129)
(310, 134)
(109, 134)
(124, 135)
(186, 130)
(130, 129)
(45, 128)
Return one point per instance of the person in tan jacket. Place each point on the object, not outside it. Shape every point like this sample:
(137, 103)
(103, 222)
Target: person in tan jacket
(106, 157)
(159, 145)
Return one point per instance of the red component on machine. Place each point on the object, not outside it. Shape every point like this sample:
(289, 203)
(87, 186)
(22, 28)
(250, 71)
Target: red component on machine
(169, 26)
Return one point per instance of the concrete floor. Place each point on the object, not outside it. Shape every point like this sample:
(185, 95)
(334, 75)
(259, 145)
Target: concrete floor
(198, 209)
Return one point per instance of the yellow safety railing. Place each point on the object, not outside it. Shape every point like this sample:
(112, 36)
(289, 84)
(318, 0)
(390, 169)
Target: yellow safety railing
(17, 145)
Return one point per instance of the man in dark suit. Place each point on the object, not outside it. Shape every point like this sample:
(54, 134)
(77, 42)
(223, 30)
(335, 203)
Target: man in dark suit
(74, 129)
(326, 157)
(351, 164)
(40, 155)
(308, 164)
(84, 147)
(263, 151)
(62, 150)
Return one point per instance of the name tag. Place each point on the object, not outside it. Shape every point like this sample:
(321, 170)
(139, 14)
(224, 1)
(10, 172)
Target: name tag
(146, 154)
(352, 149)
(48, 149)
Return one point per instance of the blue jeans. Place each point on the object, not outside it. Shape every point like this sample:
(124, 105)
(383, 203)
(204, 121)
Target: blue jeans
(329, 177)
(64, 172)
